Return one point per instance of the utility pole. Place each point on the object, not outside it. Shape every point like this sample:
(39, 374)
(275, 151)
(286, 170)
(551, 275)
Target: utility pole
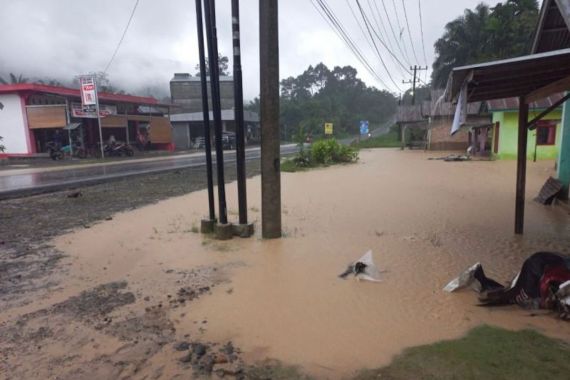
(207, 226)
(270, 136)
(243, 229)
(223, 229)
(414, 81)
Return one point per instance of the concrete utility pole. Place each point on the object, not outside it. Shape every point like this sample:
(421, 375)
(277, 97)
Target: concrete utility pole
(224, 230)
(269, 98)
(243, 229)
(207, 226)
(414, 81)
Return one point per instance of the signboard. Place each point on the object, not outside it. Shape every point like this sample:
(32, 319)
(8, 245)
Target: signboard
(364, 127)
(88, 91)
(77, 110)
(328, 128)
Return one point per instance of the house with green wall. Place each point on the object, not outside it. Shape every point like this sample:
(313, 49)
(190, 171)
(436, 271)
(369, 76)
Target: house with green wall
(543, 141)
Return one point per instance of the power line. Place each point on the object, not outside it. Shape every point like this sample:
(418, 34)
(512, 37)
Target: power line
(400, 29)
(337, 27)
(409, 33)
(123, 36)
(422, 33)
(396, 59)
(368, 37)
(384, 36)
(376, 47)
(394, 34)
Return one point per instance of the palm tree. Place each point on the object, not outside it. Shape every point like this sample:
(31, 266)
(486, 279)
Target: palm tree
(14, 79)
(463, 41)
(484, 34)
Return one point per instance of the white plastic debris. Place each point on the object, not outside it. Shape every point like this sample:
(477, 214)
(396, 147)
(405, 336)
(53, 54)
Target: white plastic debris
(465, 279)
(371, 272)
(363, 269)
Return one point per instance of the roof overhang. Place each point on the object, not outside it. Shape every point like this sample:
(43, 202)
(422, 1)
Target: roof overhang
(72, 92)
(532, 76)
(552, 31)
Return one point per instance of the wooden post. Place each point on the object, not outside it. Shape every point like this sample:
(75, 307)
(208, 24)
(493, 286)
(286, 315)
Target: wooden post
(521, 166)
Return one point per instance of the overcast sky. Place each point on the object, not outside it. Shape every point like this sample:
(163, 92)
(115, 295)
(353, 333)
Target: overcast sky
(62, 38)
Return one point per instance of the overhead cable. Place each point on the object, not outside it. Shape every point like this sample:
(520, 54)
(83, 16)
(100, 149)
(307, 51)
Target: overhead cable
(123, 36)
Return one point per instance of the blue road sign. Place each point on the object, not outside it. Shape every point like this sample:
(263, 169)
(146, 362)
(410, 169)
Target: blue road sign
(364, 127)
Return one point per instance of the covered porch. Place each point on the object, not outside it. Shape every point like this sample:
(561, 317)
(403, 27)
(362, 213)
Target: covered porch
(529, 78)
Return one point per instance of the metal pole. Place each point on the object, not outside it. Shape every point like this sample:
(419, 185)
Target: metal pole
(414, 86)
(238, 116)
(68, 121)
(211, 36)
(521, 166)
(99, 119)
(205, 110)
(269, 96)
(127, 126)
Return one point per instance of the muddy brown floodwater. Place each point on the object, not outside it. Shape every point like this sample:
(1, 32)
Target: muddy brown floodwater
(159, 284)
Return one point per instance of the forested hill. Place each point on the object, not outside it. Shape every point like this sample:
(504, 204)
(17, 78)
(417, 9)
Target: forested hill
(336, 96)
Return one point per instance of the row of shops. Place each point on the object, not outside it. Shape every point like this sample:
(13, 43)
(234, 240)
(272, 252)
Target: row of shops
(490, 128)
(33, 115)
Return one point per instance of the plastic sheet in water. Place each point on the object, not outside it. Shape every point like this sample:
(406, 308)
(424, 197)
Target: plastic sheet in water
(465, 279)
(363, 269)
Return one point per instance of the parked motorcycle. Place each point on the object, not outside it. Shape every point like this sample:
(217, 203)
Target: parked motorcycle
(78, 150)
(118, 150)
(54, 150)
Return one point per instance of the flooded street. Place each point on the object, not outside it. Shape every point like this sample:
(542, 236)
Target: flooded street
(424, 220)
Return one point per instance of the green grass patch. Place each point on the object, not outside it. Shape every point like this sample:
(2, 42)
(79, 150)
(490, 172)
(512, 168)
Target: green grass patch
(274, 370)
(485, 353)
(388, 140)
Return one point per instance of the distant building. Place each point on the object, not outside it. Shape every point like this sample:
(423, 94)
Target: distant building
(34, 114)
(186, 93)
(431, 121)
(187, 118)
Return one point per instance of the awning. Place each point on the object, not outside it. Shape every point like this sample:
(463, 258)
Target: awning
(46, 116)
(533, 76)
(114, 121)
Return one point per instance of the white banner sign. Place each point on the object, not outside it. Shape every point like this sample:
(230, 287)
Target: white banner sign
(88, 91)
(78, 110)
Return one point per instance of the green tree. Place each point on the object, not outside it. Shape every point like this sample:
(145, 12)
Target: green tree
(223, 64)
(338, 96)
(484, 34)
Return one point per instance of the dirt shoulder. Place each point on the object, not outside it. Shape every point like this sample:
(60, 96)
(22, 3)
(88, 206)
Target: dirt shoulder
(27, 261)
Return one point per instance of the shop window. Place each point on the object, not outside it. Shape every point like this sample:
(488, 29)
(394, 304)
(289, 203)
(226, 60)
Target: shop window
(546, 134)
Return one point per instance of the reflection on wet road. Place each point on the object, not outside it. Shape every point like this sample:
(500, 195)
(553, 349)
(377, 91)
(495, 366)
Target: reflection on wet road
(28, 181)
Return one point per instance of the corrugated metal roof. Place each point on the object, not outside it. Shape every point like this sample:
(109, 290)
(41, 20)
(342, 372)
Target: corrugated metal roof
(439, 107)
(513, 103)
(411, 114)
(509, 77)
(552, 32)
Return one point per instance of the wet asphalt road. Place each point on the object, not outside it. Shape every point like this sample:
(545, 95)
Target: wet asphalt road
(40, 181)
